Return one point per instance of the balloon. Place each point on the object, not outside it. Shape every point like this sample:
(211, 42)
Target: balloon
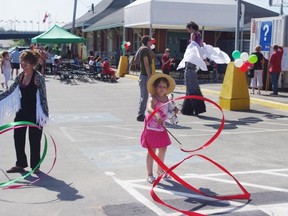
(128, 43)
(153, 40)
(124, 42)
(253, 59)
(238, 63)
(245, 66)
(244, 56)
(152, 46)
(248, 63)
(123, 47)
(236, 54)
(126, 46)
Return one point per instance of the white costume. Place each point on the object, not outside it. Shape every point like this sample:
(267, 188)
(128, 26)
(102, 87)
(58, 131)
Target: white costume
(196, 55)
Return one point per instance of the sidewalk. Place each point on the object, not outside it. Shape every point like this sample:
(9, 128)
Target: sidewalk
(277, 102)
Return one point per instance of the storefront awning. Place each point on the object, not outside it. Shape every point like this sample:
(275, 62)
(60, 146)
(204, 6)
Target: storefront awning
(175, 14)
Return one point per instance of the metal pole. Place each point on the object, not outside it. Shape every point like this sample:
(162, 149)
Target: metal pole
(124, 39)
(281, 8)
(74, 46)
(150, 25)
(238, 7)
(74, 16)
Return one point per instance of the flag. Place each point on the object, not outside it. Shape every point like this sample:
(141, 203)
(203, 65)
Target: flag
(45, 17)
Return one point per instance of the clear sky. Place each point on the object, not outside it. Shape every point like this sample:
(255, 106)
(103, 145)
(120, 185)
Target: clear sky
(29, 14)
(24, 14)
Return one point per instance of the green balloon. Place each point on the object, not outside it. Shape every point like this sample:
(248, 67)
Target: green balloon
(253, 59)
(236, 54)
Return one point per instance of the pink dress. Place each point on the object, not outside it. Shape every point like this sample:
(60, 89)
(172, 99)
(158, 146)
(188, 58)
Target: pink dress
(154, 134)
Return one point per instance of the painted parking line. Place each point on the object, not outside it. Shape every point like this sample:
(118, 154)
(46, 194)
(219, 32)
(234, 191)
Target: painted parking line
(134, 186)
(84, 117)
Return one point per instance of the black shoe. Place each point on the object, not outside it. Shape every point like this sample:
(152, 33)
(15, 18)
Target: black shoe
(140, 118)
(15, 169)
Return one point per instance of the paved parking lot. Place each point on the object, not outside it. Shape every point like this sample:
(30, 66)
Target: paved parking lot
(100, 167)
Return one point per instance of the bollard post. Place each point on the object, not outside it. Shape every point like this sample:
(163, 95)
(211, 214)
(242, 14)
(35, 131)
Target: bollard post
(234, 94)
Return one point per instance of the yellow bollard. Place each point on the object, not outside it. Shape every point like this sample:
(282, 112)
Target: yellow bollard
(123, 66)
(234, 94)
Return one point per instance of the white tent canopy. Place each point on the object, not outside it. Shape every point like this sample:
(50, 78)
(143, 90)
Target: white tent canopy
(175, 14)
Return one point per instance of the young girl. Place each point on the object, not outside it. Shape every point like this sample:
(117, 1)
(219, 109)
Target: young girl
(154, 134)
(6, 68)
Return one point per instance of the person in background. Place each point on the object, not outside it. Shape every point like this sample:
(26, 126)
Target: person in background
(42, 59)
(15, 61)
(166, 61)
(33, 47)
(195, 56)
(6, 68)
(56, 62)
(145, 55)
(257, 80)
(275, 68)
(193, 106)
(98, 65)
(91, 62)
(107, 70)
(27, 97)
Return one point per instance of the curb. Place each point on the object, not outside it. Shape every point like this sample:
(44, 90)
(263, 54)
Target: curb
(262, 102)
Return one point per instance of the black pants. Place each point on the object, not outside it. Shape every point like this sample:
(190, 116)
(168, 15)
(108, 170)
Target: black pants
(35, 135)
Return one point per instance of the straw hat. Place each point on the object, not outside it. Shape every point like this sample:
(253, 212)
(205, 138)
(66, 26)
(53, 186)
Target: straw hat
(156, 76)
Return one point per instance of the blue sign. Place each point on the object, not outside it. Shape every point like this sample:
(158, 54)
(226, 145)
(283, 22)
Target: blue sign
(266, 35)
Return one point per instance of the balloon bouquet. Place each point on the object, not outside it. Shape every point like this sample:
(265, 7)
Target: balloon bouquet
(243, 60)
(125, 46)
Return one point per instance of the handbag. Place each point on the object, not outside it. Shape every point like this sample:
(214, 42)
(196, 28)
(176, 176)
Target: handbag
(250, 73)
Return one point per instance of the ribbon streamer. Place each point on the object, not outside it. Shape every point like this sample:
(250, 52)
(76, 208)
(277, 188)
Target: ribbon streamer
(244, 195)
(21, 124)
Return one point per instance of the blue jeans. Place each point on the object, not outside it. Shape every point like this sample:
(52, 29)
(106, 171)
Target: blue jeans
(143, 94)
(274, 81)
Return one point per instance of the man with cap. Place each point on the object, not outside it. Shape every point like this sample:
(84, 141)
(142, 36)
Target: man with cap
(145, 56)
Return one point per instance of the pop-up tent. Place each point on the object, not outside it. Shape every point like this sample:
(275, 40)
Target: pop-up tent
(57, 35)
(175, 14)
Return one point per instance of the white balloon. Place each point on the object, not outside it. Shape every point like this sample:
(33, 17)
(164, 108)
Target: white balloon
(244, 56)
(152, 46)
(128, 43)
(238, 63)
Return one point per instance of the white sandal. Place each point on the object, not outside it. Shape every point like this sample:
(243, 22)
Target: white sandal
(151, 179)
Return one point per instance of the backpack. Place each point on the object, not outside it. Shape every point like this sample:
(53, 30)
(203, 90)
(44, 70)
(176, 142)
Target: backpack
(136, 59)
